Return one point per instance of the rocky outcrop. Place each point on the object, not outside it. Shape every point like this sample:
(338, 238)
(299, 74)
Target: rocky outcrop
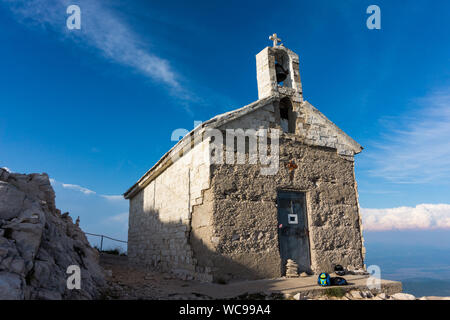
(38, 243)
(367, 295)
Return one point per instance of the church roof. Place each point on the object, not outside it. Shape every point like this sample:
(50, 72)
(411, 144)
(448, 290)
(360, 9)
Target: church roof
(343, 143)
(215, 122)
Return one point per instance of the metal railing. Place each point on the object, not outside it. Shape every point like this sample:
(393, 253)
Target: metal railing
(101, 239)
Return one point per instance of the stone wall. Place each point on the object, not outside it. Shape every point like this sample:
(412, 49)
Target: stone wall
(245, 212)
(262, 118)
(160, 215)
(318, 130)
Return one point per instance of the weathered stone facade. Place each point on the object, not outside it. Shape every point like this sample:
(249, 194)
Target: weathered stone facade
(160, 214)
(245, 215)
(213, 220)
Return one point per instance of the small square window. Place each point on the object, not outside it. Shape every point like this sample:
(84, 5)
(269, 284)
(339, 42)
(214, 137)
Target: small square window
(292, 218)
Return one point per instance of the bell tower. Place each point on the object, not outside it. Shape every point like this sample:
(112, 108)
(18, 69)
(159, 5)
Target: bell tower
(278, 73)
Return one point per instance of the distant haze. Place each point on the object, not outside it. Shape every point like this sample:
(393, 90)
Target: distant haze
(420, 259)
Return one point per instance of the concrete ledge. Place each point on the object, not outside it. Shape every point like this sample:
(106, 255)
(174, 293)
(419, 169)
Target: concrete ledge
(306, 286)
(354, 283)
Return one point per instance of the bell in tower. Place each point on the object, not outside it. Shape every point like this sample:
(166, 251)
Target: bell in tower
(278, 71)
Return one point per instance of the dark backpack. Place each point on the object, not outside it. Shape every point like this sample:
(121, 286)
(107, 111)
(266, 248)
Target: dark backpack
(338, 281)
(339, 270)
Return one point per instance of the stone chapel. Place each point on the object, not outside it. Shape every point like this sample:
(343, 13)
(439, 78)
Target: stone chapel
(221, 220)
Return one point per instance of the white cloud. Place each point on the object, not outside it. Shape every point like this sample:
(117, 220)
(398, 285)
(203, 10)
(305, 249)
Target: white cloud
(416, 148)
(86, 191)
(423, 216)
(102, 29)
(77, 188)
(113, 197)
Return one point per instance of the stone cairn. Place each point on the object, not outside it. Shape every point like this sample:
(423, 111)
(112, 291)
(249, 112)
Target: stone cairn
(291, 269)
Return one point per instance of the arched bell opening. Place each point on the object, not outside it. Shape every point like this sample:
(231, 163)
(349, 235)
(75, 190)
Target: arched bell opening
(287, 115)
(282, 69)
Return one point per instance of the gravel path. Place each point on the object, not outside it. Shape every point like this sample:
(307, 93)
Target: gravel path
(130, 282)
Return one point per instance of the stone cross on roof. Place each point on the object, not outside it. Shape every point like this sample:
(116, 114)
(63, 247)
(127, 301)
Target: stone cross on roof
(275, 39)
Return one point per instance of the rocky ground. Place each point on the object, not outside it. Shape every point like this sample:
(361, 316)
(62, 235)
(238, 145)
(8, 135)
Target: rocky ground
(367, 295)
(131, 282)
(126, 282)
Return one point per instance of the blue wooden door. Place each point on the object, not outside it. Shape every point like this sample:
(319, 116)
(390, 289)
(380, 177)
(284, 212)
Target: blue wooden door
(293, 229)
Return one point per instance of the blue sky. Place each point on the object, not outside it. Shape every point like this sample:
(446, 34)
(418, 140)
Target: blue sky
(95, 108)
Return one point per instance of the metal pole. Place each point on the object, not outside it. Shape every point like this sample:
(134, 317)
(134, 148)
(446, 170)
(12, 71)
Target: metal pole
(101, 245)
